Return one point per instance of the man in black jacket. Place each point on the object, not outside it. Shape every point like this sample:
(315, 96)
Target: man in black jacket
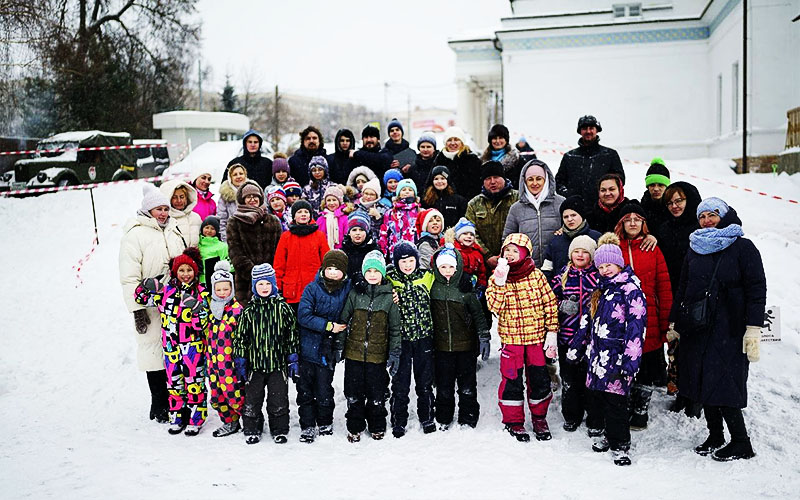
(371, 154)
(311, 145)
(339, 162)
(402, 155)
(259, 168)
(581, 169)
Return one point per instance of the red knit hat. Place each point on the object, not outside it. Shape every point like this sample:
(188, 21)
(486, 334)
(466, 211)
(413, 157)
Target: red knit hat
(191, 257)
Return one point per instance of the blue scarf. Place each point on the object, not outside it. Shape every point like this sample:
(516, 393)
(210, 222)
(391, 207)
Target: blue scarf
(498, 155)
(710, 240)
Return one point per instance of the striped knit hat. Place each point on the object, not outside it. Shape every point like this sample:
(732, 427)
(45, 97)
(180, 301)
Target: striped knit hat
(374, 260)
(358, 218)
(292, 188)
(264, 272)
(464, 225)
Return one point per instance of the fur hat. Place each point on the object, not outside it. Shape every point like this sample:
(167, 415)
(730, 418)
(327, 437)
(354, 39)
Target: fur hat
(427, 137)
(301, 205)
(152, 198)
(213, 221)
(276, 192)
(657, 173)
(190, 256)
(713, 205)
(425, 217)
(583, 242)
(447, 256)
(492, 168)
(292, 188)
(370, 131)
(392, 173)
(574, 202)
(498, 130)
(403, 250)
(406, 183)
(280, 165)
(264, 272)
(373, 185)
(335, 258)
(394, 123)
(358, 218)
(608, 251)
(464, 225)
(374, 260)
(334, 190)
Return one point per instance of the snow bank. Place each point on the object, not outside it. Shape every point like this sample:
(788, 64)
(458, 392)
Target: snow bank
(75, 406)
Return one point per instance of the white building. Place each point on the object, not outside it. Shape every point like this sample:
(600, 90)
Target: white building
(198, 127)
(663, 77)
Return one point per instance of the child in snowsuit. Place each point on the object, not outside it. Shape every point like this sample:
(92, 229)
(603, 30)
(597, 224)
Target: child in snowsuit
(212, 249)
(413, 288)
(471, 252)
(430, 225)
(459, 333)
(573, 288)
(318, 318)
(227, 389)
(183, 305)
(318, 182)
(332, 220)
(357, 244)
(369, 205)
(390, 180)
(400, 223)
(265, 345)
(369, 347)
(619, 317)
(527, 314)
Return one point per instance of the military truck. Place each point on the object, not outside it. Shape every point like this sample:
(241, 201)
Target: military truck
(74, 167)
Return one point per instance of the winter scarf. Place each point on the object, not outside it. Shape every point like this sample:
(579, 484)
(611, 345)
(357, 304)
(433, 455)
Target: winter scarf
(520, 269)
(498, 155)
(218, 305)
(711, 239)
(617, 203)
(572, 233)
(396, 148)
(448, 154)
(536, 200)
(250, 215)
(303, 229)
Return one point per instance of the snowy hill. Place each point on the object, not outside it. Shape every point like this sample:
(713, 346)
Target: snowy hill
(74, 406)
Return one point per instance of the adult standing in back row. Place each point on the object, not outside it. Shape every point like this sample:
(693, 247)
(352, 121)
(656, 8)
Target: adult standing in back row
(581, 169)
(403, 156)
(258, 167)
(311, 145)
(463, 164)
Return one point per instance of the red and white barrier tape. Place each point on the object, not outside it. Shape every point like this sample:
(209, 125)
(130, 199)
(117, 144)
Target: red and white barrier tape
(89, 186)
(91, 148)
(77, 267)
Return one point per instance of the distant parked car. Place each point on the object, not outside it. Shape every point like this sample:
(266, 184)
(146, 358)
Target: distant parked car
(151, 161)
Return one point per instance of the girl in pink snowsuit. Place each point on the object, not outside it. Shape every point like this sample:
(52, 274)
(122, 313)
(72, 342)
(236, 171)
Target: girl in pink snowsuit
(400, 222)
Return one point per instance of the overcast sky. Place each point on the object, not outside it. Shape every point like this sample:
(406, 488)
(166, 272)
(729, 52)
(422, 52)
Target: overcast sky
(343, 49)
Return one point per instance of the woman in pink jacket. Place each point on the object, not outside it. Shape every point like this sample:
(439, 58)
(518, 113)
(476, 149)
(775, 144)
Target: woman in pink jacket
(205, 200)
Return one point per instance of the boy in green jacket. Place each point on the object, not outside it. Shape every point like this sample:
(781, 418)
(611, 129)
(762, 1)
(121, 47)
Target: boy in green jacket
(373, 337)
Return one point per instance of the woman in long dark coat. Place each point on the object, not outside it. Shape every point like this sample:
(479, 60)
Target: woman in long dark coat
(714, 361)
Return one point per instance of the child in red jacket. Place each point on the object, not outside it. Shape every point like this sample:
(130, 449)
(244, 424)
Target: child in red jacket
(299, 254)
(470, 251)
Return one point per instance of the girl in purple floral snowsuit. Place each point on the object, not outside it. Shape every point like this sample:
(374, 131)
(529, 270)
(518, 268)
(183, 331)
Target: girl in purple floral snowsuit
(619, 318)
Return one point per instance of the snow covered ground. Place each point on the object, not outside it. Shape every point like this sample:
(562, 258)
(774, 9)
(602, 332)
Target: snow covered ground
(74, 406)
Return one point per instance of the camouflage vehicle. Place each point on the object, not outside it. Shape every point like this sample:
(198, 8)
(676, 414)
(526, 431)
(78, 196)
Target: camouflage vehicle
(78, 167)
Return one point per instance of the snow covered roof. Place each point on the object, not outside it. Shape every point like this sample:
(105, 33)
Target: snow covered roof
(219, 120)
(82, 135)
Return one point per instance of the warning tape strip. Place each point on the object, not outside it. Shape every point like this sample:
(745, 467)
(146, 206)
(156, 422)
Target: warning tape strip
(91, 148)
(686, 174)
(79, 187)
(77, 267)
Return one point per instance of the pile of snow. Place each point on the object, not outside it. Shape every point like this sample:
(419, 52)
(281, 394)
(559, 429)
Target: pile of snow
(75, 407)
(209, 157)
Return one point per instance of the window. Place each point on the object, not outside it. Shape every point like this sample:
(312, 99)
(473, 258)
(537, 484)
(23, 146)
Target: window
(627, 10)
(635, 10)
(619, 11)
(735, 96)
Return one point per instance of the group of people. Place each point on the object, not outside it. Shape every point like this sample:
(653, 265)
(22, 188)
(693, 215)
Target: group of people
(398, 263)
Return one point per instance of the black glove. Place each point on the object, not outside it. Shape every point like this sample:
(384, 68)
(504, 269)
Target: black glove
(466, 284)
(393, 364)
(360, 284)
(485, 349)
(192, 302)
(141, 320)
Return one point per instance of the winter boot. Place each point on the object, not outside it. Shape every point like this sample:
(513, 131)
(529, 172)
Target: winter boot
(620, 455)
(398, 431)
(640, 403)
(735, 450)
(571, 426)
(227, 429)
(540, 429)
(519, 433)
(714, 442)
(354, 438)
(377, 436)
(444, 427)
(326, 430)
(429, 428)
(159, 396)
(693, 410)
(308, 435)
(176, 429)
(253, 439)
(192, 430)
(279, 439)
(600, 445)
(595, 432)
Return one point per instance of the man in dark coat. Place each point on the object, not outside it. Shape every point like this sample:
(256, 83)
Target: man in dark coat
(581, 169)
(259, 168)
(311, 145)
(423, 163)
(402, 155)
(339, 162)
(371, 154)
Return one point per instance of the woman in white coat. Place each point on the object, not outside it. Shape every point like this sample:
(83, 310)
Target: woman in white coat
(182, 199)
(149, 241)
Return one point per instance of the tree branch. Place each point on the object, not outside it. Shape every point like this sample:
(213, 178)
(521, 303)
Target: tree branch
(111, 17)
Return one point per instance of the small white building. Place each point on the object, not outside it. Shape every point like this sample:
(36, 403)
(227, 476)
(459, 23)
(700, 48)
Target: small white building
(198, 127)
(663, 77)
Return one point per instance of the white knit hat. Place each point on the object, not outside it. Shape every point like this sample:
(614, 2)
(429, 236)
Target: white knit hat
(152, 198)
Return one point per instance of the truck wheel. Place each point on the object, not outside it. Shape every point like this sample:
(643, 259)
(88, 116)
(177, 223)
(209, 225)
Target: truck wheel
(66, 181)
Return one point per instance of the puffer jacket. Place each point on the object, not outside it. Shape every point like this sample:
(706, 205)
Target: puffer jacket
(362, 170)
(339, 220)
(399, 223)
(375, 326)
(317, 308)
(297, 260)
(473, 261)
(458, 320)
(187, 219)
(576, 289)
(427, 245)
(314, 194)
(226, 207)
(205, 205)
(615, 343)
(267, 334)
(179, 325)
(538, 224)
(651, 269)
(219, 334)
(489, 212)
(356, 253)
(414, 293)
(212, 250)
(144, 252)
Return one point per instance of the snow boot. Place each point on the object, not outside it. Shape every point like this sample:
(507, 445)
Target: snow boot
(192, 430)
(711, 444)
(429, 428)
(279, 439)
(227, 429)
(735, 450)
(600, 445)
(571, 426)
(160, 415)
(377, 436)
(253, 439)
(595, 432)
(620, 455)
(519, 433)
(159, 396)
(308, 435)
(693, 410)
(354, 438)
(444, 427)
(540, 429)
(398, 431)
(176, 429)
(326, 430)
(640, 404)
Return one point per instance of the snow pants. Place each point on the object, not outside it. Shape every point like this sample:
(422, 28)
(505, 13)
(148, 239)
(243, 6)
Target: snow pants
(456, 368)
(277, 389)
(315, 395)
(365, 387)
(574, 396)
(523, 365)
(610, 412)
(185, 365)
(416, 356)
(227, 390)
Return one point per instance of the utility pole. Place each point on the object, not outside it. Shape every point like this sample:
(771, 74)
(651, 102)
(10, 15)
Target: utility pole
(276, 130)
(744, 87)
(200, 85)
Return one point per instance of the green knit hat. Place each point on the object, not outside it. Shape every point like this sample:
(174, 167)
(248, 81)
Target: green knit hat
(657, 173)
(374, 260)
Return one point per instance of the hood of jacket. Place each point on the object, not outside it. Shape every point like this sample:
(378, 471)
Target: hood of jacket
(456, 279)
(168, 189)
(693, 199)
(351, 179)
(524, 192)
(346, 133)
(227, 192)
(146, 220)
(244, 141)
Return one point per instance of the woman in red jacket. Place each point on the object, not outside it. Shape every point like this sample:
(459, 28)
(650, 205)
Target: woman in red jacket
(651, 268)
(299, 254)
